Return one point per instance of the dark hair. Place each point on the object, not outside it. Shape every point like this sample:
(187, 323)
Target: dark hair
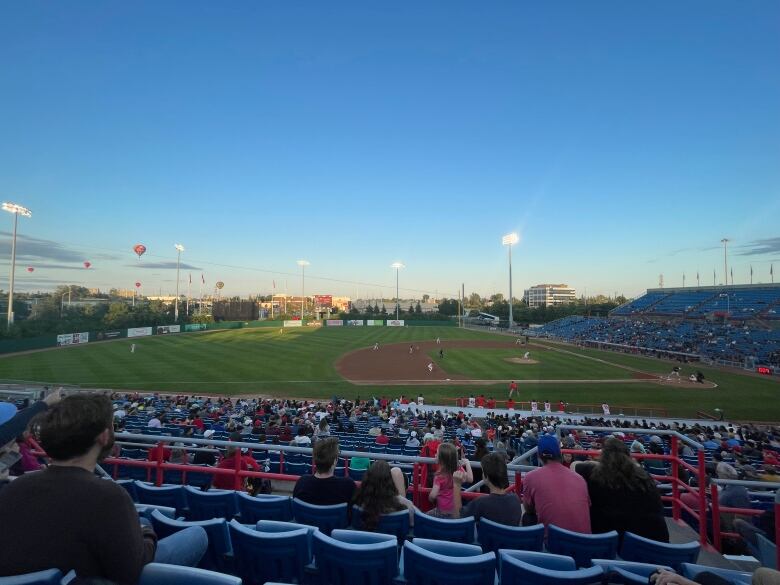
(481, 449)
(376, 494)
(618, 471)
(69, 429)
(325, 453)
(447, 456)
(494, 469)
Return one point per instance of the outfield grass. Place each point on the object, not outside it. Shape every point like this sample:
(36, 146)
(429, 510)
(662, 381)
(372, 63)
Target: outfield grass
(300, 363)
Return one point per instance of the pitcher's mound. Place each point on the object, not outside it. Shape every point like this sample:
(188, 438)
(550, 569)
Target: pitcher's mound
(521, 361)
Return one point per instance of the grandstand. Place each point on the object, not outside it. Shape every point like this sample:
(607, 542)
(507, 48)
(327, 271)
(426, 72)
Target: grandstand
(734, 325)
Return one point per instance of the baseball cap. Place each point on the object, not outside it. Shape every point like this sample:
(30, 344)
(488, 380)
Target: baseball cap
(208, 434)
(7, 412)
(548, 446)
(414, 433)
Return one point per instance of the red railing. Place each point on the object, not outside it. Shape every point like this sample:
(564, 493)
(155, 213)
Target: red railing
(571, 408)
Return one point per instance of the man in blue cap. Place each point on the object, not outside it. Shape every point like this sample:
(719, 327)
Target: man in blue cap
(553, 494)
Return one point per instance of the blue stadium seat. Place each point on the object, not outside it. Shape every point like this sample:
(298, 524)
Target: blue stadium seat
(644, 550)
(493, 536)
(582, 547)
(171, 496)
(275, 526)
(199, 479)
(216, 529)
(627, 572)
(350, 557)
(459, 530)
(767, 551)
(129, 485)
(259, 556)
(263, 507)
(211, 504)
(692, 571)
(433, 562)
(357, 474)
(326, 518)
(519, 567)
(159, 574)
(145, 510)
(47, 577)
(395, 523)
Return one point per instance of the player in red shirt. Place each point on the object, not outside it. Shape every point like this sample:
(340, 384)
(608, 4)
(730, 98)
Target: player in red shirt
(481, 401)
(512, 388)
(510, 404)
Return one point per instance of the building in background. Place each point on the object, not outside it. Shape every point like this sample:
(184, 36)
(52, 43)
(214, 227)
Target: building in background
(548, 295)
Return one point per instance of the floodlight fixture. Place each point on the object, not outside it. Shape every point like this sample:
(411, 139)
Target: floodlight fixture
(510, 239)
(17, 210)
(179, 247)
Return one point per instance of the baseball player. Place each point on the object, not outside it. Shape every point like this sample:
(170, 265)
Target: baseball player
(512, 388)
(132, 348)
(430, 366)
(376, 346)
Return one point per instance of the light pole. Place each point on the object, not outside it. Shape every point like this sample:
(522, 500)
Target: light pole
(725, 242)
(303, 264)
(397, 266)
(510, 240)
(179, 250)
(16, 210)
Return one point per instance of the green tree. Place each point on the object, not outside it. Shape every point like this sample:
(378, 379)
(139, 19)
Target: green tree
(410, 311)
(448, 307)
(118, 316)
(418, 308)
(384, 310)
(369, 309)
(474, 301)
(426, 298)
(376, 309)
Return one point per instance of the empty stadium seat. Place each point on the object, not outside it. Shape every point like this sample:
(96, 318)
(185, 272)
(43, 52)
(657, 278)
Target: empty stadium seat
(216, 529)
(644, 550)
(767, 551)
(326, 518)
(493, 536)
(159, 574)
(737, 577)
(172, 496)
(434, 562)
(145, 510)
(350, 557)
(458, 530)
(129, 485)
(395, 523)
(210, 504)
(263, 507)
(582, 547)
(47, 577)
(259, 555)
(519, 567)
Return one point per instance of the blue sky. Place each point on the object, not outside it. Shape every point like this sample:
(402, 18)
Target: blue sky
(622, 140)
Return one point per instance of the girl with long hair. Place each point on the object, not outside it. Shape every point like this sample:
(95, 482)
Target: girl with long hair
(379, 494)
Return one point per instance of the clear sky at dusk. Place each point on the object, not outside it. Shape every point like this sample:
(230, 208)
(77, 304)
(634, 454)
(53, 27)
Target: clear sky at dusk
(622, 140)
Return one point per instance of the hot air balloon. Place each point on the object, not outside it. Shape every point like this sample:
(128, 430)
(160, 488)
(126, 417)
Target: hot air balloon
(87, 264)
(139, 249)
(30, 269)
(137, 285)
(220, 284)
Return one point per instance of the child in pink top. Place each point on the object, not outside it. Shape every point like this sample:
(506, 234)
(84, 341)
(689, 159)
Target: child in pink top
(443, 486)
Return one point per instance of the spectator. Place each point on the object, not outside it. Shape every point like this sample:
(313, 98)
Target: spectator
(479, 452)
(443, 485)
(208, 457)
(234, 458)
(553, 494)
(88, 524)
(380, 493)
(323, 429)
(382, 438)
(323, 488)
(731, 496)
(28, 461)
(413, 441)
(623, 496)
(499, 506)
(301, 439)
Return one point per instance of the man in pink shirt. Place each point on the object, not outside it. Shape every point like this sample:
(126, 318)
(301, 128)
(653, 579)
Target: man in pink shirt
(554, 493)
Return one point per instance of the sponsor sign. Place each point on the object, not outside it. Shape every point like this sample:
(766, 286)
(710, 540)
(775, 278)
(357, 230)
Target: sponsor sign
(112, 334)
(334, 322)
(355, 322)
(195, 327)
(293, 323)
(139, 331)
(323, 300)
(313, 324)
(165, 329)
(395, 322)
(72, 338)
(375, 323)
(764, 370)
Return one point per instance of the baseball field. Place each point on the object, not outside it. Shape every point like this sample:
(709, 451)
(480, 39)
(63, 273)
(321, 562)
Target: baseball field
(342, 361)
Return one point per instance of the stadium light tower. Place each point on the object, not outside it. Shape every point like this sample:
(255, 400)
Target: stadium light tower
(16, 210)
(510, 240)
(725, 242)
(179, 250)
(303, 264)
(397, 266)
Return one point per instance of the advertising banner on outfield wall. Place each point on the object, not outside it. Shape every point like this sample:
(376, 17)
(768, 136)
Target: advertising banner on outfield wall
(108, 335)
(375, 323)
(323, 300)
(395, 323)
(355, 322)
(72, 338)
(293, 323)
(139, 331)
(195, 327)
(334, 322)
(165, 329)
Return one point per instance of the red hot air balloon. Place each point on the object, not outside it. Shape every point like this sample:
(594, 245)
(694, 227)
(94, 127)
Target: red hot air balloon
(137, 285)
(30, 269)
(139, 249)
(87, 264)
